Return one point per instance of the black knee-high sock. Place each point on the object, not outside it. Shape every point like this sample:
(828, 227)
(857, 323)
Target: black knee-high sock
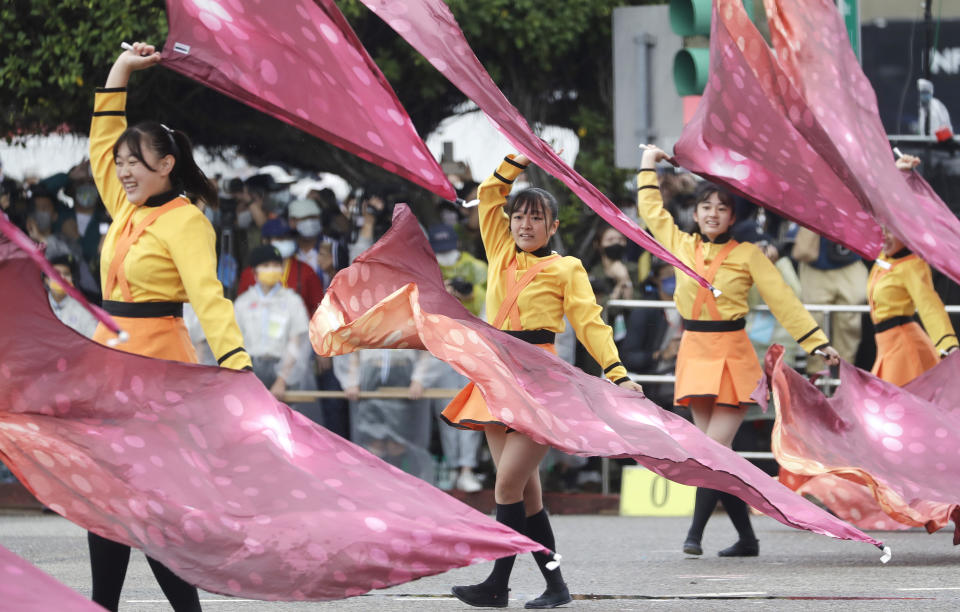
(704, 504)
(108, 568)
(513, 516)
(538, 529)
(182, 595)
(739, 515)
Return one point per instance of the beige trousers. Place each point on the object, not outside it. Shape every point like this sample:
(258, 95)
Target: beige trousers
(846, 285)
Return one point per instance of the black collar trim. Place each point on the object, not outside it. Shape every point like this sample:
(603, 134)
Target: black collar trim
(541, 252)
(901, 253)
(161, 198)
(721, 239)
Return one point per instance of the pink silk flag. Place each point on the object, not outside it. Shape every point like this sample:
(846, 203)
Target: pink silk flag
(393, 296)
(25, 588)
(796, 128)
(874, 448)
(813, 48)
(202, 469)
(429, 26)
(754, 133)
(300, 62)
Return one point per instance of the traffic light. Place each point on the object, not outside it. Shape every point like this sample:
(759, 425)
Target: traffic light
(691, 65)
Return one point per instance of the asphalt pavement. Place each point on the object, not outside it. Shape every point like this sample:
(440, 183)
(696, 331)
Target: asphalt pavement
(610, 563)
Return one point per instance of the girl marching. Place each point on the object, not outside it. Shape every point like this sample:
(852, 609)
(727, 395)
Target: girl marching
(529, 290)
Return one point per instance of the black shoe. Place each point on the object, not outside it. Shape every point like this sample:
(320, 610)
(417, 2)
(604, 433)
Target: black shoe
(480, 596)
(551, 598)
(692, 547)
(742, 548)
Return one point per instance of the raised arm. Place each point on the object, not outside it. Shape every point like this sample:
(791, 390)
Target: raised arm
(650, 201)
(109, 121)
(141, 56)
(492, 193)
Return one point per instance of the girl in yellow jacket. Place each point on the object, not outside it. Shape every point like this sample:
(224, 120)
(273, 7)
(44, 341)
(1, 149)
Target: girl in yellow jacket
(717, 369)
(158, 253)
(899, 286)
(529, 290)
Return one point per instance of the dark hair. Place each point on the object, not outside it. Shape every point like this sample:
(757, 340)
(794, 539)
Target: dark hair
(186, 174)
(705, 189)
(537, 200)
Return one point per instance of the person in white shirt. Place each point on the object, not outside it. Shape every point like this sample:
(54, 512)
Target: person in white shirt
(65, 307)
(304, 215)
(939, 115)
(274, 322)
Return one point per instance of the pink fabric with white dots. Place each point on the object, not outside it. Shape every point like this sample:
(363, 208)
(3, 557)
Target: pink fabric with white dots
(429, 26)
(754, 132)
(796, 128)
(393, 296)
(873, 447)
(25, 588)
(202, 469)
(299, 61)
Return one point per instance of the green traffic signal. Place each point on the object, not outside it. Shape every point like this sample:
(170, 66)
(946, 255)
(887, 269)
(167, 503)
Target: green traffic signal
(691, 65)
(690, 69)
(690, 17)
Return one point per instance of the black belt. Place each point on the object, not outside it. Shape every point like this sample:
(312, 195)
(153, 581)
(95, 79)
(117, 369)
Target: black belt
(534, 336)
(714, 326)
(892, 322)
(143, 310)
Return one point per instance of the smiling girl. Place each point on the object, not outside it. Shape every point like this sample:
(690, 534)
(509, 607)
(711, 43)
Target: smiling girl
(529, 290)
(717, 369)
(158, 253)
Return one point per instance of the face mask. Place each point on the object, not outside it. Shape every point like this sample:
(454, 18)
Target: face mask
(86, 196)
(43, 220)
(448, 258)
(244, 219)
(614, 251)
(309, 228)
(286, 247)
(668, 285)
(925, 97)
(268, 277)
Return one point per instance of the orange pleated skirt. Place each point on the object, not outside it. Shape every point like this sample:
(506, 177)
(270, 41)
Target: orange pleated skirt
(720, 365)
(159, 337)
(903, 353)
(468, 410)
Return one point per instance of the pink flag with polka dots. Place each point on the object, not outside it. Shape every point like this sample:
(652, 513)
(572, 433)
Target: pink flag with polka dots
(874, 451)
(796, 128)
(429, 26)
(300, 61)
(25, 588)
(202, 469)
(811, 42)
(754, 132)
(393, 296)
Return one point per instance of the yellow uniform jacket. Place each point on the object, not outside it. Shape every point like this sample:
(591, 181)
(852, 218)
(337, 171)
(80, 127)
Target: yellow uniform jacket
(562, 288)
(901, 285)
(175, 259)
(744, 267)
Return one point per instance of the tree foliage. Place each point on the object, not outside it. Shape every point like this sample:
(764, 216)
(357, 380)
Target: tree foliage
(552, 60)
